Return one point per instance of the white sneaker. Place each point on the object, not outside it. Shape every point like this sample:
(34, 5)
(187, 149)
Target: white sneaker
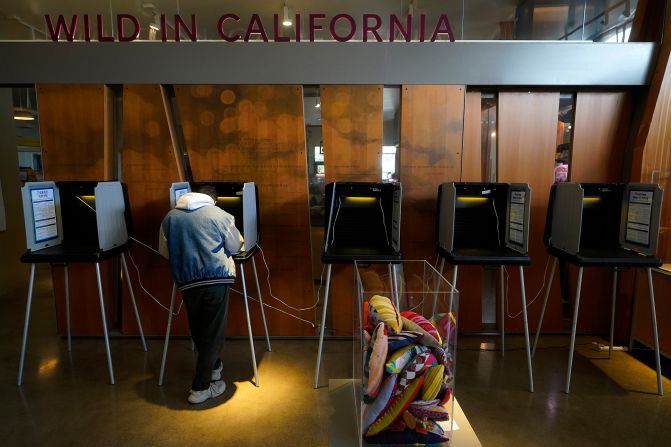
(216, 373)
(216, 389)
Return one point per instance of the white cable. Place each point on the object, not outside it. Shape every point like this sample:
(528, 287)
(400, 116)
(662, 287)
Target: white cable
(87, 205)
(545, 272)
(275, 308)
(498, 233)
(335, 220)
(142, 243)
(139, 277)
(383, 221)
(270, 289)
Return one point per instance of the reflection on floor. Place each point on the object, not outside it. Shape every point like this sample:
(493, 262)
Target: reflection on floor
(66, 398)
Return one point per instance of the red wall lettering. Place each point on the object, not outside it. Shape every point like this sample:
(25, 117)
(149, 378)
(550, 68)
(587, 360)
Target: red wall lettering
(443, 27)
(61, 26)
(396, 25)
(367, 28)
(314, 27)
(101, 30)
(334, 22)
(180, 25)
(220, 27)
(277, 31)
(123, 37)
(256, 27)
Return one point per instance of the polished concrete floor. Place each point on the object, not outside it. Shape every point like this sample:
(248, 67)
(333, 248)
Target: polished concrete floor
(66, 399)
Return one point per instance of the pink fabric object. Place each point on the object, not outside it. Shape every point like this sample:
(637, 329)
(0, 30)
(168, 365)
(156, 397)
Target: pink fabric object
(429, 409)
(427, 339)
(423, 323)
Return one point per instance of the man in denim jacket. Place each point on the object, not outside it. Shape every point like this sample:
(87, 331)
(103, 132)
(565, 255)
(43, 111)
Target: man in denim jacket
(199, 239)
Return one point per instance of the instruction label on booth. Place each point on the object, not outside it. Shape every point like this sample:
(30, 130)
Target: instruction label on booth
(638, 217)
(516, 232)
(44, 214)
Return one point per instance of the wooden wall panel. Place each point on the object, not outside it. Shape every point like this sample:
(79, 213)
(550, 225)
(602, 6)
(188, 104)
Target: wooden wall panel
(527, 129)
(352, 134)
(602, 123)
(149, 168)
(72, 137)
(257, 133)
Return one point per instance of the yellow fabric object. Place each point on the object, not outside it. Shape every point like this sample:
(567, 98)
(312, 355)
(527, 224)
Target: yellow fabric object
(433, 382)
(383, 310)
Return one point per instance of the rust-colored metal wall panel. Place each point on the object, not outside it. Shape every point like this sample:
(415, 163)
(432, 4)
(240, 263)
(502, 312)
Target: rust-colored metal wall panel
(72, 138)
(643, 321)
(352, 132)
(602, 122)
(527, 129)
(352, 135)
(472, 158)
(432, 121)
(257, 133)
(149, 168)
(601, 125)
(469, 282)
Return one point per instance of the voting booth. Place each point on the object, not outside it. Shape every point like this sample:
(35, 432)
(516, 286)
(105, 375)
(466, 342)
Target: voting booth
(609, 225)
(363, 224)
(241, 200)
(76, 221)
(486, 224)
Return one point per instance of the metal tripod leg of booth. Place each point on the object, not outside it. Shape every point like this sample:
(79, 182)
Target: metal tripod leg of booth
(394, 287)
(454, 285)
(249, 324)
(503, 315)
(653, 315)
(104, 321)
(29, 303)
(573, 331)
(612, 314)
(321, 328)
(67, 306)
(132, 299)
(167, 334)
(526, 330)
(545, 303)
(263, 313)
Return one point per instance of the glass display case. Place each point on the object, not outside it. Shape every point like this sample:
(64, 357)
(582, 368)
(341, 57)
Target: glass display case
(404, 354)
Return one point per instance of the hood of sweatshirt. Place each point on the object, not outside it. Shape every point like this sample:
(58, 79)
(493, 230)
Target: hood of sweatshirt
(192, 201)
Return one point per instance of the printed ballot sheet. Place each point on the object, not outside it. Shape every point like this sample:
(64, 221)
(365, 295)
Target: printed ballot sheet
(516, 231)
(638, 217)
(44, 214)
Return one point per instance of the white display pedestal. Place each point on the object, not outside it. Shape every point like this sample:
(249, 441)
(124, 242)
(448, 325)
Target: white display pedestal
(343, 429)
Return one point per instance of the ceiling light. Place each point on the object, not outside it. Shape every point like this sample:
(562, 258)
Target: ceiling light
(153, 26)
(318, 105)
(286, 21)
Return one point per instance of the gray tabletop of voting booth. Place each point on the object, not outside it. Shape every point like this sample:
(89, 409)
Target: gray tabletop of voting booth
(76, 222)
